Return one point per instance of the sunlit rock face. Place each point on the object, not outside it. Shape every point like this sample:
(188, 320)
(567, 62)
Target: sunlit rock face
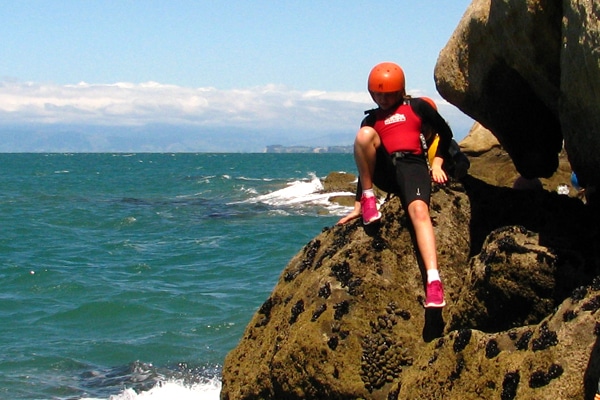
(529, 71)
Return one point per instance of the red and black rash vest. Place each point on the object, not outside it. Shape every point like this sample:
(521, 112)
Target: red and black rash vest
(400, 127)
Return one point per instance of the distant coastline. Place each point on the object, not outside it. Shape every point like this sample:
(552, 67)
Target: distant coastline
(307, 149)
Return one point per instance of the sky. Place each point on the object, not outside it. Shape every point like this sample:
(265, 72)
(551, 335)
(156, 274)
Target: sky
(182, 74)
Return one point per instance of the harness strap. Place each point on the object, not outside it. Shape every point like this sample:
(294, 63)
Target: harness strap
(424, 146)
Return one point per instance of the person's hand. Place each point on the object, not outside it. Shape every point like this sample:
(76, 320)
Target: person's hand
(355, 213)
(437, 173)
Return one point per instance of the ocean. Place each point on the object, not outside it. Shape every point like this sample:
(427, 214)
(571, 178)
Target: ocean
(130, 276)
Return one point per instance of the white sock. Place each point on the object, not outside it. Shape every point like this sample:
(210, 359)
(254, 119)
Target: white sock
(433, 275)
(368, 193)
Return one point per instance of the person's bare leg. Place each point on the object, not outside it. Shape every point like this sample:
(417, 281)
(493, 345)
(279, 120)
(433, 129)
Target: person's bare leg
(365, 152)
(365, 148)
(365, 155)
(418, 212)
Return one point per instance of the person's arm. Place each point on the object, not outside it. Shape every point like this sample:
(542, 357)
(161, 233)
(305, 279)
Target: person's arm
(437, 172)
(441, 127)
(437, 123)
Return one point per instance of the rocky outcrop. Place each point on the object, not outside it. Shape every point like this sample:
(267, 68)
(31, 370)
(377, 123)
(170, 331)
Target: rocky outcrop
(345, 320)
(337, 182)
(479, 141)
(339, 324)
(340, 182)
(530, 72)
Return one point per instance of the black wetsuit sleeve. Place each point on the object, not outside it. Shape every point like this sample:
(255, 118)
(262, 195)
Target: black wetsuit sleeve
(369, 119)
(431, 117)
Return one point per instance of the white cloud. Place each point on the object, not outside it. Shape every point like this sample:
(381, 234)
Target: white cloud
(270, 108)
(128, 104)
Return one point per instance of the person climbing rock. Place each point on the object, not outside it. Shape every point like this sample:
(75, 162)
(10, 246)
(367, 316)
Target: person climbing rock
(388, 153)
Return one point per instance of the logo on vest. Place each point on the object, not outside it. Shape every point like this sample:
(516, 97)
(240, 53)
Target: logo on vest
(395, 118)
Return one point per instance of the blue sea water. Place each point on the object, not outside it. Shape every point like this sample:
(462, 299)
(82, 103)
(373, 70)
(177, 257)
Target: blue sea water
(129, 276)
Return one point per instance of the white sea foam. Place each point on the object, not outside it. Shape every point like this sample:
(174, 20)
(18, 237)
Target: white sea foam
(248, 190)
(302, 192)
(209, 390)
(295, 192)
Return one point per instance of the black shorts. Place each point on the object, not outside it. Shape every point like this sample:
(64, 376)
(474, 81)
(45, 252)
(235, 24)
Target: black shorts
(409, 178)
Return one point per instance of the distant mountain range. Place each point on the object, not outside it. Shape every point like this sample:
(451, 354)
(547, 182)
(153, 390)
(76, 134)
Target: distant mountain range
(164, 138)
(55, 138)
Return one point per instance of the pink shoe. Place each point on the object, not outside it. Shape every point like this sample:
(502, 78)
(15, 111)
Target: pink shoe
(368, 206)
(435, 295)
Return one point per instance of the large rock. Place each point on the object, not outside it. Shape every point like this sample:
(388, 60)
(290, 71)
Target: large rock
(529, 71)
(579, 108)
(345, 316)
(520, 267)
(345, 320)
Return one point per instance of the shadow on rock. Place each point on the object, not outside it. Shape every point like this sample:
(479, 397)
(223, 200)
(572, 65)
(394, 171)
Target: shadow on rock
(434, 324)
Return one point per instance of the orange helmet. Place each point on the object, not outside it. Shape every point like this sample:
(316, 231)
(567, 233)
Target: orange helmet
(430, 101)
(386, 77)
